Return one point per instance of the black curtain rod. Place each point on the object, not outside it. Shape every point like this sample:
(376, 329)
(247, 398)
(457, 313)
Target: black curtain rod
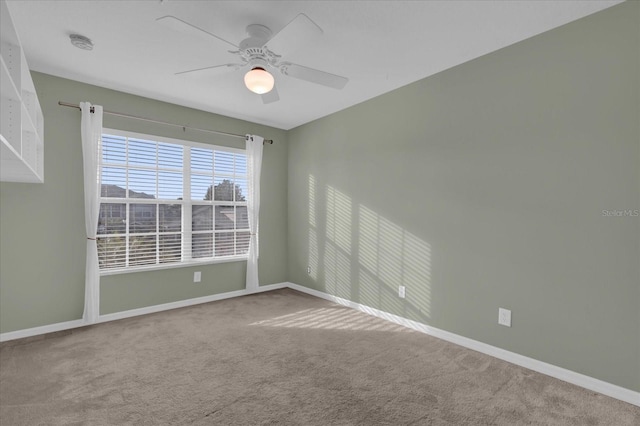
(118, 114)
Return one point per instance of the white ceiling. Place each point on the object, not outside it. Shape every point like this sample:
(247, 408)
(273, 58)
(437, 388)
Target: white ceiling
(378, 45)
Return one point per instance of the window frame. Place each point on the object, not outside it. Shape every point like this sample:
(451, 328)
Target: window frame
(187, 203)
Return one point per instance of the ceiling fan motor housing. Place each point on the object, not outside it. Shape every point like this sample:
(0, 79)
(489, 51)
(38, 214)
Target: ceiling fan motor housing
(253, 50)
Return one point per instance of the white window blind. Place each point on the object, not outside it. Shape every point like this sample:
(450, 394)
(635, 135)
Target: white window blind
(169, 202)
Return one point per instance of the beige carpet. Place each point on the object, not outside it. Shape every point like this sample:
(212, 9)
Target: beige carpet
(277, 358)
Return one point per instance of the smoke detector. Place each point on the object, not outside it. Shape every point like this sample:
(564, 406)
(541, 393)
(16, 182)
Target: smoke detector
(81, 42)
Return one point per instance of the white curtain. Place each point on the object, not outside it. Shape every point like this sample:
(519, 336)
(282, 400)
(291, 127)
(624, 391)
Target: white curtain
(91, 131)
(254, 166)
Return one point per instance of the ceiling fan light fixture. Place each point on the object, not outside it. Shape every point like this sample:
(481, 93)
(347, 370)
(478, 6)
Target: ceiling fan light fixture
(259, 81)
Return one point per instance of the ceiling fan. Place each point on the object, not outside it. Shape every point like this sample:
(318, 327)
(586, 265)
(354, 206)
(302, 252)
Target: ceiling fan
(262, 52)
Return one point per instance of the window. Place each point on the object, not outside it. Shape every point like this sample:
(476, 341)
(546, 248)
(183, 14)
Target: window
(165, 201)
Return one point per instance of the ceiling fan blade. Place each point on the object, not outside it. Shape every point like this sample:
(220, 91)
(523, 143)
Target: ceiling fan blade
(313, 75)
(179, 25)
(271, 96)
(216, 69)
(297, 33)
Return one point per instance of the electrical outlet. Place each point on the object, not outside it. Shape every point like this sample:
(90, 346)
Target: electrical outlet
(504, 317)
(197, 276)
(309, 270)
(401, 292)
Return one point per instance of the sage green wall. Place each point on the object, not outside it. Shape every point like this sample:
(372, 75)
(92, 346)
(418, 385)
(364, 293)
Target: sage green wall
(483, 187)
(42, 244)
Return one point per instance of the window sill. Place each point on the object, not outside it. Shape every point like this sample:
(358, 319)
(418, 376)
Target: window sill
(191, 263)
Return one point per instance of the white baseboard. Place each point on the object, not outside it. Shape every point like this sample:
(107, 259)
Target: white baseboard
(569, 376)
(52, 328)
(188, 302)
(35, 331)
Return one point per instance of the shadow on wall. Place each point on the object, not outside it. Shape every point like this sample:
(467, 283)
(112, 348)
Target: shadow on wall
(358, 254)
